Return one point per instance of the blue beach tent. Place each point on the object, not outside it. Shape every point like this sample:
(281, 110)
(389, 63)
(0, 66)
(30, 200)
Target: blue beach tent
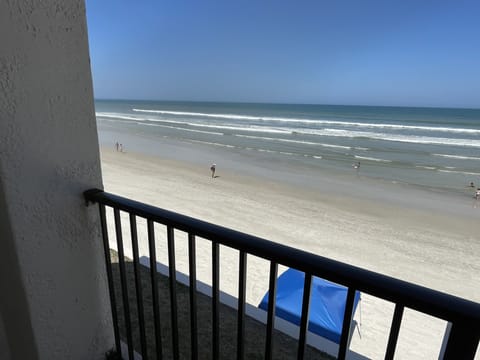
(327, 303)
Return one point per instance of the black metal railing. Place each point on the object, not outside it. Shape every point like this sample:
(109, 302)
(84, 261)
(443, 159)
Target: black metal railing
(463, 315)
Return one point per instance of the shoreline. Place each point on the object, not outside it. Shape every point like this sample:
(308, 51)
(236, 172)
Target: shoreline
(345, 182)
(437, 249)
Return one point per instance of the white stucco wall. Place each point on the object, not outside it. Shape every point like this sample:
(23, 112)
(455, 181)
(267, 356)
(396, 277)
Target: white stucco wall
(54, 299)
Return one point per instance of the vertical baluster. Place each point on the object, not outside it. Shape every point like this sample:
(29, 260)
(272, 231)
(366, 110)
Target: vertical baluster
(347, 319)
(394, 331)
(215, 300)
(111, 289)
(272, 298)
(153, 280)
(462, 341)
(193, 295)
(138, 285)
(307, 290)
(123, 280)
(242, 281)
(173, 290)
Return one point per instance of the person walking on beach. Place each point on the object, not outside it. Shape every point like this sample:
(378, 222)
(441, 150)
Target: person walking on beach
(212, 169)
(116, 145)
(121, 148)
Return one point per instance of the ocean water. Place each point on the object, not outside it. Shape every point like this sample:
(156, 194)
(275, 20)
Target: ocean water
(428, 147)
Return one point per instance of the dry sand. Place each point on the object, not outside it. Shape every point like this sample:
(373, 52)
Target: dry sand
(429, 248)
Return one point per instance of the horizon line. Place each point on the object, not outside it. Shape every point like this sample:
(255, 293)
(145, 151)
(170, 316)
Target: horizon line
(288, 103)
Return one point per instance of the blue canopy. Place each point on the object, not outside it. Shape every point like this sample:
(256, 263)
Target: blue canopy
(327, 303)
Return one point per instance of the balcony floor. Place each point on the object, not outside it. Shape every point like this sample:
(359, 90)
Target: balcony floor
(284, 346)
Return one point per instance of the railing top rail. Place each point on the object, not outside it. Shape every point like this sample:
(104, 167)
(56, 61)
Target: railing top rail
(432, 302)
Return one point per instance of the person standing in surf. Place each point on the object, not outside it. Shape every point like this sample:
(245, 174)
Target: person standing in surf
(356, 166)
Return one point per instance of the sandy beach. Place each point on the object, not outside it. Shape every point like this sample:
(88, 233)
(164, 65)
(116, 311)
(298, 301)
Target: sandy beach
(412, 235)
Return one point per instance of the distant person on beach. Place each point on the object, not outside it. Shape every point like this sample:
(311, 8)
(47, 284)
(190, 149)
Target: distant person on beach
(212, 169)
(356, 166)
(472, 184)
(477, 194)
(117, 145)
(121, 147)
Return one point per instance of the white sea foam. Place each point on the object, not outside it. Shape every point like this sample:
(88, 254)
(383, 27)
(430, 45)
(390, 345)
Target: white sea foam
(276, 139)
(293, 141)
(142, 119)
(243, 128)
(393, 137)
(196, 114)
(183, 129)
(117, 116)
(335, 146)
(458, 172)
(232, 116)
(428, 140)
(212, 143)
(319, 132)
(219, 127)
(371, 158)
(310, 121)
(461, 157)
(254, 149)
(138, 118)
(425, 167)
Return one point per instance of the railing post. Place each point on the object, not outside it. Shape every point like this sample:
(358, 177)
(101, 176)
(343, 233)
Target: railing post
(111, 289)
(138, 285)
(347, 321)
(215, 300)
(445, 340)
(241, 305)
(173, 291)
(153, 281)
(193, 295)
(123, 281)
(304, 320)
(394, 331)
(272, 299)
(462, 342)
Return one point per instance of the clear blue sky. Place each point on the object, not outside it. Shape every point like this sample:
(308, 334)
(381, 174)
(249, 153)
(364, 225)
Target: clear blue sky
(418, 53)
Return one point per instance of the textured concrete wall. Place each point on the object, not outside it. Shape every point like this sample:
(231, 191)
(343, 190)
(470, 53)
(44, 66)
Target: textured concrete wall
(4, 348)
(16, 335)
(54, 299)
